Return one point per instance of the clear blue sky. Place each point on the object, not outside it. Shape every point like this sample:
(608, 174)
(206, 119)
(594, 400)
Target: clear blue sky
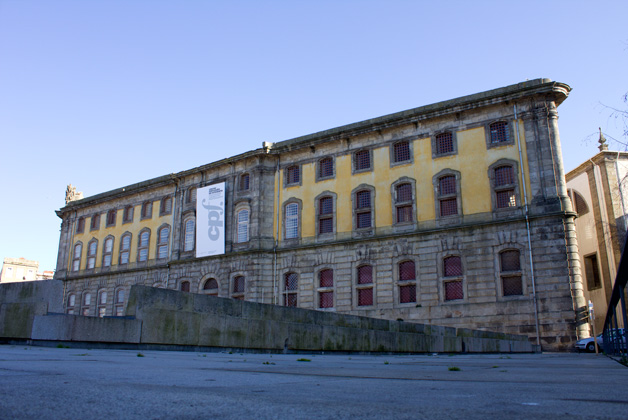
(102, 94)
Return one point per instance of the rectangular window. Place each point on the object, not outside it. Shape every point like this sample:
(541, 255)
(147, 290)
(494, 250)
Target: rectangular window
(111, 218)
(292, 221)
(243, 226)
(499, 132)
(362, 160)
(401, 151)
(291, 285)
(407, 282)
(326, 215)
(448, 199)
(326, 168)
(365, 285)
(80, 225)
(363, 210)
(127, 215)
(95, 222)
(244, 182)
(147, 210)
(293, 175)
(592, 272)
(444, 143)
(453, 290)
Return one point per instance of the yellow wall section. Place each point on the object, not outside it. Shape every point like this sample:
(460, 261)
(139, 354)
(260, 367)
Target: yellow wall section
(472, 161)
(117, 231)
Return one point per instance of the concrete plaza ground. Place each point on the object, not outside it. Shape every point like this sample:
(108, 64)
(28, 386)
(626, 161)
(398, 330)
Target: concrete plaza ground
(55, 383)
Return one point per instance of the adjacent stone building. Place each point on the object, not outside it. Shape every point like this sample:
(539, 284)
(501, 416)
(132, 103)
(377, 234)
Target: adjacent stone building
(20, 269)
(453, 214)
(599, 191)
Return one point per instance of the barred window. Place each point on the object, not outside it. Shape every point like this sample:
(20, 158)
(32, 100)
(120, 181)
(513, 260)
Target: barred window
(504, 182)
(325, 215)
(365, 285)
(188, 243)
(401, 151)
(511, 273)
(362, 160)
(444, 143)
(292, 220)
(403, 203)
(452, 271)
(407, 282)
(363, 209)
(125, 248)
(499, 132)
(448, 196)
(326, 288)
(211, 287)
(127, 214)
(291, 285)
(76, 257)
(238, 288)
(293, 175)
(325, 168)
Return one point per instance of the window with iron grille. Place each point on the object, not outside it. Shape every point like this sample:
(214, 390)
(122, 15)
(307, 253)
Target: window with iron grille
(76, 257)
(244, 182)
(407, 282)
(80, 225)
(291, 286)
(504, 182)
(162, 242)
(363, 209)
(190, 195)
(188, 242)
(166, 206)
(326, 288)
(211, 287)
(293, 175)
(362, 160)
(401, 151)
(592, 272)
(107, 251)
(404, 203)
(92, 247)
(444, 144)
(510, 264)
(142, 246)
(325, 215)
(95, 222)
(243, 226)
(125, 248)
(452, 271)
(499, 132)
(325, 168)
(111, 218)
(147, 210)
(291, 220)
(127, 214)
(447, 196)
(365, 285)
(238, 288)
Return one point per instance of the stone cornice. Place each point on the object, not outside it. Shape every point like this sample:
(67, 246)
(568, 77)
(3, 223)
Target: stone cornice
(597, 159)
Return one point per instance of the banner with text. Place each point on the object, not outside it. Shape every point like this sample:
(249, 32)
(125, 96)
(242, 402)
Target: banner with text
(210, 220)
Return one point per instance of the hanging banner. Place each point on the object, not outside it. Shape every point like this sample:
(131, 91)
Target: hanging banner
(210, 220)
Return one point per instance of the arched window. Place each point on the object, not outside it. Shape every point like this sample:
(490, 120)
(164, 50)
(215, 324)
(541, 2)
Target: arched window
(92, 248)
(243, 226)
(365, 285)
(76, 257)
(185, 286)
(363, 209)
(163, 236)
(211, 287)
(142, 245)
(291, 286)
(107, 251)
(452, 272)
(325, 214)
(505, 187)
(407, 282)
(326, 288)
(70, 304)
(510, 265)
(119, 302)
(404, 203)
(87, 301)
(125, 248)
(238, 288)
(447, 195)
(188, 244)
(102, 303)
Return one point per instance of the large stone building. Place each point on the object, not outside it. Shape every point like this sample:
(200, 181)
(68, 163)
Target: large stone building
(599, 191)
(454, 214)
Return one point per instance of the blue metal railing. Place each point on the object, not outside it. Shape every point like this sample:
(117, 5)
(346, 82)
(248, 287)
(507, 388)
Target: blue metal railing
(615, 333)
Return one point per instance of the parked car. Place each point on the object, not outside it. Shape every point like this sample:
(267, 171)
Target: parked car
(588, 345)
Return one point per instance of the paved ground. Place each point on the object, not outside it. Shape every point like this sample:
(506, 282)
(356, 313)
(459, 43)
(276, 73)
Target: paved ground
(51, 383)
